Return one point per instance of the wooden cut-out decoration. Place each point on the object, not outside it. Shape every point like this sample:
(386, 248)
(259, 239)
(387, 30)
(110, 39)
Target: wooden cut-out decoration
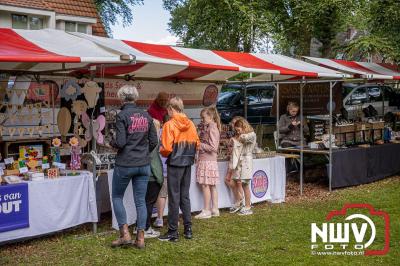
(64, 121)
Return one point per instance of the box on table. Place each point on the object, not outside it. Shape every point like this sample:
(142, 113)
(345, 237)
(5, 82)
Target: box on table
(377, 125)
(11, 172)
(361, 126)
(36, 176)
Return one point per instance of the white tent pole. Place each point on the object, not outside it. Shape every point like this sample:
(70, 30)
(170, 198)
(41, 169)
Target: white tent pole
(331, 84)
(277, 113)
(302, 85)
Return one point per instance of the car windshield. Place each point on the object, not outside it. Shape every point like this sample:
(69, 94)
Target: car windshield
(346, 90)
(226, 97)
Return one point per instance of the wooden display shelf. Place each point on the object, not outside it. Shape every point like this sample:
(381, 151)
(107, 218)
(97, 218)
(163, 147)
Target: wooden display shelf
(11, 147)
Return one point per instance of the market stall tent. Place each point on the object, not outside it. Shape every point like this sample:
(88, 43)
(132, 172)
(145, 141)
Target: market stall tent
(51, 50)
(171, 62)
(55, 51)
(365, 70)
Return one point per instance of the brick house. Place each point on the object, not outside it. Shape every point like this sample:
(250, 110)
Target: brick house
(68, 15)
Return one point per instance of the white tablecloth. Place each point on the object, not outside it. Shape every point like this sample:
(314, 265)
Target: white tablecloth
(57, 204)
(274, 169)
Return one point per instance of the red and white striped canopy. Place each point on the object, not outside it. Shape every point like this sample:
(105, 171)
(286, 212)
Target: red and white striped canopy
(49, 50)
(361, 69)
(170, 62)
(57, 51)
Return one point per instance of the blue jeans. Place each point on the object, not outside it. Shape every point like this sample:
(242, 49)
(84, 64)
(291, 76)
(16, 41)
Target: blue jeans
(121, 177)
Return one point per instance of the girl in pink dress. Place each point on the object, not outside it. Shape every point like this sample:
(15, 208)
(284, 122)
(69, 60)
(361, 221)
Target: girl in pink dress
(207, 166)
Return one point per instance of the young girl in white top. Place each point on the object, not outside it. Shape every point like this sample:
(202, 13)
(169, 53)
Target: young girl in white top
(241, 162)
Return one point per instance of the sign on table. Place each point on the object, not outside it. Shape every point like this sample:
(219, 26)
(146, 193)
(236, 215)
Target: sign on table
(14, 207)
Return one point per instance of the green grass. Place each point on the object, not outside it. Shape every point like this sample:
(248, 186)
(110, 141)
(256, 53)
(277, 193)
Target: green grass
(276, 234)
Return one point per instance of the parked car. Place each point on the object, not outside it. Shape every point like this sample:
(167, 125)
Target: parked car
(382, 97)
(260, 97)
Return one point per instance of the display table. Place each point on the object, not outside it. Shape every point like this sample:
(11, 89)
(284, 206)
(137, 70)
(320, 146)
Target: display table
(355, 166)
(268, 184)
(359, 165)
(57, 204)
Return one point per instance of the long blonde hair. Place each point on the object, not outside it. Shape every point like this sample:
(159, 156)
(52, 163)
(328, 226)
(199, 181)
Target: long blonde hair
(244, 124)
(157, 125)
(213, 113)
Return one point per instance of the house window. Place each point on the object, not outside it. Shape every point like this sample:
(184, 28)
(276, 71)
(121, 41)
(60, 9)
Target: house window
(70, 26)
(26, 22)
(19, 22)
(82, 28)
(75, 27)
(35, 23)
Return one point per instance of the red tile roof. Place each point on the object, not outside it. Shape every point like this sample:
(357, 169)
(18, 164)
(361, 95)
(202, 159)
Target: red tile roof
(39, 4)
(81, 8)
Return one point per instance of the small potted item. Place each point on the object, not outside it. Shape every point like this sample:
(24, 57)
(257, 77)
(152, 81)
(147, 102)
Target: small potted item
(75, 163)
(55, 150)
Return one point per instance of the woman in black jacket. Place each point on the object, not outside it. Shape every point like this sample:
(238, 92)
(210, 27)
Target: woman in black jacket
(135, 138)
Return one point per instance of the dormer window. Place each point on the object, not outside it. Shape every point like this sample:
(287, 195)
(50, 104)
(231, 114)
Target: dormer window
(71, 26)
(26, 22)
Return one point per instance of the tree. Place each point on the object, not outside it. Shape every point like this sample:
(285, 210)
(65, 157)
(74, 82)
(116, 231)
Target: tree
(111, 10)
(367, 46)
(231, 25)
(295, 23)
(377, 23)
(383, 20)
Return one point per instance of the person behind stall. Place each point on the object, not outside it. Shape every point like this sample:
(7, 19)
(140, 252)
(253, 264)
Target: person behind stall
(289, 127)
(156, 180)
(179, 143)
(241, 163)
(238, 194)
(163, 195)
(158, 109)
(135, 137)
(207, 174)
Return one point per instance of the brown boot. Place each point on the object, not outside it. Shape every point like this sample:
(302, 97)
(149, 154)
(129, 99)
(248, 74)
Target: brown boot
(124, 237)
(139, 242)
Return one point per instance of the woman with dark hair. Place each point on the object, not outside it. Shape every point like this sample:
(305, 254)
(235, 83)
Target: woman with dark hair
(158, 109)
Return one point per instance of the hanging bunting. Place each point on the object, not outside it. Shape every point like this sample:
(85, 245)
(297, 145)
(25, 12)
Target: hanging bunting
(21, 131)
(31, 130)
(11, 131)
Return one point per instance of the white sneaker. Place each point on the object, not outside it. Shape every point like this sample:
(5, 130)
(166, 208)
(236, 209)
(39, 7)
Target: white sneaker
(151, 233)
(236, 207)
(215, 213)
(158, 223)
(246, 211)
(203, 215)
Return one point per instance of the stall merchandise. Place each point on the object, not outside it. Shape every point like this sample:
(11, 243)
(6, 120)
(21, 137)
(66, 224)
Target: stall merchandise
(268, 184)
